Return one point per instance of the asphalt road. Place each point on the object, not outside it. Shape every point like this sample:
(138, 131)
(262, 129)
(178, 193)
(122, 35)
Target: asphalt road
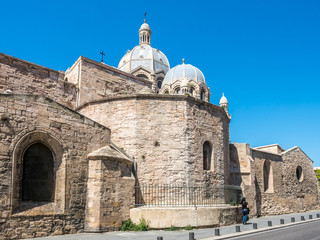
(303, 231)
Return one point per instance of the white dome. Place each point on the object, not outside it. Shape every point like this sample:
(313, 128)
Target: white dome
(184, 73)
(223, 100)
(145, 56)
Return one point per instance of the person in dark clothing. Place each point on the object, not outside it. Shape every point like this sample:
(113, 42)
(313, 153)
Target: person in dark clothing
(245, 210)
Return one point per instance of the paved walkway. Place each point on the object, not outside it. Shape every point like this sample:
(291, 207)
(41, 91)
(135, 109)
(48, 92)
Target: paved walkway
(207, 233)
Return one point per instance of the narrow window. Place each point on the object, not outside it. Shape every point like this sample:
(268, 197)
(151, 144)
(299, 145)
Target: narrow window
(299, 174)
(207, 152)
(202, 95)
(159, 82)
(37, 177)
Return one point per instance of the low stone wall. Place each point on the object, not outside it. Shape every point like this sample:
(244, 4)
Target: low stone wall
(160, 218)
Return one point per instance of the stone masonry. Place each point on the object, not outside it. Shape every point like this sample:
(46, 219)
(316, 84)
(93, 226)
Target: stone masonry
(165, 135)
(71, 137)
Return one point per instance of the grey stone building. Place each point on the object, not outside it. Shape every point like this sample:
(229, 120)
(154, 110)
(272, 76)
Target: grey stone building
(74, 144)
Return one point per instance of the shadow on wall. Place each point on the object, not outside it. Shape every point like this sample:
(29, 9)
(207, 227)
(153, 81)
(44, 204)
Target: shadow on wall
(235, 172)
(258, 197)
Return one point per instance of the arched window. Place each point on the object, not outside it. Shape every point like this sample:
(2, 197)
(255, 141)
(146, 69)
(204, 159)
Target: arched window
(267, 176)
(37, 177)
(177, 90)
(299, 174)
(191, 90)
(159, 82)
(207, 152)
(202, 95)
(142, 76)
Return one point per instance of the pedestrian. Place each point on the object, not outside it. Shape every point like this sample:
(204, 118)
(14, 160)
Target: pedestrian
(245, 210)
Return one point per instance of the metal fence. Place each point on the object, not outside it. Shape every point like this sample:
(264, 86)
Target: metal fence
(186, 195)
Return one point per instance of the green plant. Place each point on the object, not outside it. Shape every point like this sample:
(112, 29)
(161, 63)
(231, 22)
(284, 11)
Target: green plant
(172, 228)
(128, 225)
(143, 156)
(233, 203)
(189, 227)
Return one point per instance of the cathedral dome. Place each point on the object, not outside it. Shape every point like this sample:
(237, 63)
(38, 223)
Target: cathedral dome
(185, 73)
(186, 79)
(146, 57)
(143, 60)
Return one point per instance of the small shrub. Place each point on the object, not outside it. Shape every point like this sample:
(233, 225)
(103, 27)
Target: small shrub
(233, 203)
(189, 227)
(172, 228)
(128, 225)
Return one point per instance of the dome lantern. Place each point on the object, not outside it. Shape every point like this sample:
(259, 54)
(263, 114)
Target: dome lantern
(145, 33)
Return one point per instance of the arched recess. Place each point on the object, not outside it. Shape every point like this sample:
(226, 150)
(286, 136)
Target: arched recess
(267, 176)
(37, 182)
(142, 76)
(52, 201)
(207, 155)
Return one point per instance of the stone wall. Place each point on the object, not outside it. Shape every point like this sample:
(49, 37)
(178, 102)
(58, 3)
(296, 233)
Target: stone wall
(22, 77)
(98, 80)
(303, 193)
(71, 137)
(284, 193)
(160, 218)
(165, 134)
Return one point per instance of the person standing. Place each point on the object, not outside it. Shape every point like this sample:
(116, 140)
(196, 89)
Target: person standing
(245, 210)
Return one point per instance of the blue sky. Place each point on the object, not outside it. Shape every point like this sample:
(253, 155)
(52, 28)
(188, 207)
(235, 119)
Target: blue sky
(264, 55)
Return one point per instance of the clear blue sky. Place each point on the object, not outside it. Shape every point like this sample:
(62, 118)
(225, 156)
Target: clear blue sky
(264, 55)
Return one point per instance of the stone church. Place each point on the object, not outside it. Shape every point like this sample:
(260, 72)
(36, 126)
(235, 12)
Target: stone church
(85, 149)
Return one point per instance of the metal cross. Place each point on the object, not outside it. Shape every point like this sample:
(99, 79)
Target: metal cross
(102, 54)
(145, 16)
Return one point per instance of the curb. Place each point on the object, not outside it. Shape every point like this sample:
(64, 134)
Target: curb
(248, 232)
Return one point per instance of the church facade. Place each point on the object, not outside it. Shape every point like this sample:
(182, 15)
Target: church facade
(75, 146)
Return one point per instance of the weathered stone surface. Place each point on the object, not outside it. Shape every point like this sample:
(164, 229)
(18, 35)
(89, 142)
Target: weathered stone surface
(98, 80)
(285, 192)
(165, 135)
(22, 77)
(71, 137)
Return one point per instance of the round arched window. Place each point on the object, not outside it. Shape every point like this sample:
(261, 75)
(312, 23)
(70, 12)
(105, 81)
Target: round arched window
(159, 82)
(299, 174)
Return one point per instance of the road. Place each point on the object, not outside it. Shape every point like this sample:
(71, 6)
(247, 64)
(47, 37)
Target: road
(303, 231)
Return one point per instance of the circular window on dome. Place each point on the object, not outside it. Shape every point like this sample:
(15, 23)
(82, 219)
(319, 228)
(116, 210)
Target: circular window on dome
(299, 174)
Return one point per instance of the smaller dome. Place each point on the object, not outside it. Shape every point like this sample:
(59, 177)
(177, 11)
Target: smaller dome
(223, 100)
(184, 73)
(145, 26)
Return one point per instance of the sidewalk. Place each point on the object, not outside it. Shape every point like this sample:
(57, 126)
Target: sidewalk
(204, 234)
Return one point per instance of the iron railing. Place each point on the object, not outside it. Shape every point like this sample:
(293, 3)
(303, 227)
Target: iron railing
(186, 195)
